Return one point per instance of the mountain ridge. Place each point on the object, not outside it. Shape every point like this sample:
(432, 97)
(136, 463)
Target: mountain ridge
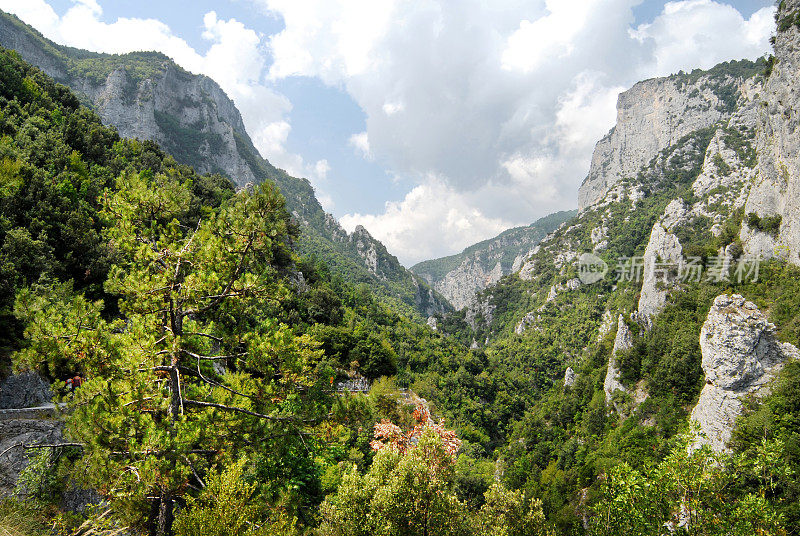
(460, 276)
(146, 95)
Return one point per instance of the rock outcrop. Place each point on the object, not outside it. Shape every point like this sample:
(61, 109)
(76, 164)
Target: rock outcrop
(480, 312)
(27, 416)
(740, 356)
(569, 377)
(663, 258)
(622, 342)
(24, 390)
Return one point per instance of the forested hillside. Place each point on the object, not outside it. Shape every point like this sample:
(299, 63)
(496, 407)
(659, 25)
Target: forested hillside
(145, 95)
(459, 277)
(639, 374)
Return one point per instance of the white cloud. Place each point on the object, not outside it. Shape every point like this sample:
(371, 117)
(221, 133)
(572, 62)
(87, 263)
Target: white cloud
(491, 107)
(360, 142)
(701, 33)
(236, 60)
(430, 219)
(501, 100)
(550, 36)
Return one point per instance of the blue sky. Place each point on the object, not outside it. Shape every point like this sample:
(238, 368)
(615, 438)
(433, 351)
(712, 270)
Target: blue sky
(435, 124)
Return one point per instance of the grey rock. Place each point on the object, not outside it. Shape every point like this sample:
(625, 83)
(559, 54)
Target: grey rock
(479, 307)
(651, 116)
(663, 251)
(622, 342)
(776, 189)
(527, 320)
(77, 499)
(569, 377)
(24, 390)
(16, 432)
(740, 356)
(432, 323)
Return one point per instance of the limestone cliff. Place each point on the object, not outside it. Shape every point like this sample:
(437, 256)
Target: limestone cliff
(740, 356)
(776, 192)
(459, 277)
(146, 95)
(653, 115)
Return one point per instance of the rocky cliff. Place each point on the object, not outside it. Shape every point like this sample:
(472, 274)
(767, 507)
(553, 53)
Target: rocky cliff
(776, 190)
(146, 95)
(459, 277)
(654, 115)
(740, 356)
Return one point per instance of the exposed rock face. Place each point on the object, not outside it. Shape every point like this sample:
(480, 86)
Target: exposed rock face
(460, 277)
(776, 191)
(461, 284)
(650, 116)
(146, 95)
(558, 288)
(623, 341)
(722, 187)
(526, 321)
(481, 309)
(740, 356)
(25, 390)
(432, 323)
(606, 325)
(663, 251)
(569, 377)
(15, 432)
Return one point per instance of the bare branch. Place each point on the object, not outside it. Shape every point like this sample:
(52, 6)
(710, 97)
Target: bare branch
(235, 409)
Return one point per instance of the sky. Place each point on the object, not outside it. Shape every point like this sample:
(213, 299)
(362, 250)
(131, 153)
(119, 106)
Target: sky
(433, 123)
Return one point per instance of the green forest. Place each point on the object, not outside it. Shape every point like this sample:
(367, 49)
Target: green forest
(215, 357)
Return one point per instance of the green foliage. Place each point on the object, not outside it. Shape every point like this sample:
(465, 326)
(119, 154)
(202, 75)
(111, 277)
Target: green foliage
(722, 167)
(694, 492)
(769, 66)
(22, 519)
(39, 481)
(225, 507)
(412, 494)
(766, 224)
(769, 432)
(787, 20)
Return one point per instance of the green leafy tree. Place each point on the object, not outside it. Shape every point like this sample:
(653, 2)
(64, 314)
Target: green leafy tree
(692, 491)
(226, 508)
(197, 368)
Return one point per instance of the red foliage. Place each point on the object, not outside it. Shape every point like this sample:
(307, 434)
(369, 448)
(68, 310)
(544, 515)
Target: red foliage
(389, 435)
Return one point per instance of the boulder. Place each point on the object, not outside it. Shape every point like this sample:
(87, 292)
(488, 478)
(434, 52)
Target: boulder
(740, 356)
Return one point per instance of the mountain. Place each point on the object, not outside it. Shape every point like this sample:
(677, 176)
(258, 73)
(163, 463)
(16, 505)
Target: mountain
(668, 305)
(688, 220)
(146, 95)
(459, 277)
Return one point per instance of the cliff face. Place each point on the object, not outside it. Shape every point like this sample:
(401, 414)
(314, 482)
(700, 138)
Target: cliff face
(776, 191)
(651, 116)
(146, 95)
(459, 277)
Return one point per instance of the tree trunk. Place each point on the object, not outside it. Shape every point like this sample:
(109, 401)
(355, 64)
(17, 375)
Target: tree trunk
(161, 516)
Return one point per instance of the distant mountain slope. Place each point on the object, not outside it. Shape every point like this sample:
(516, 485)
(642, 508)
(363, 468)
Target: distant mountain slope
(459, 277)
(146, 95)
